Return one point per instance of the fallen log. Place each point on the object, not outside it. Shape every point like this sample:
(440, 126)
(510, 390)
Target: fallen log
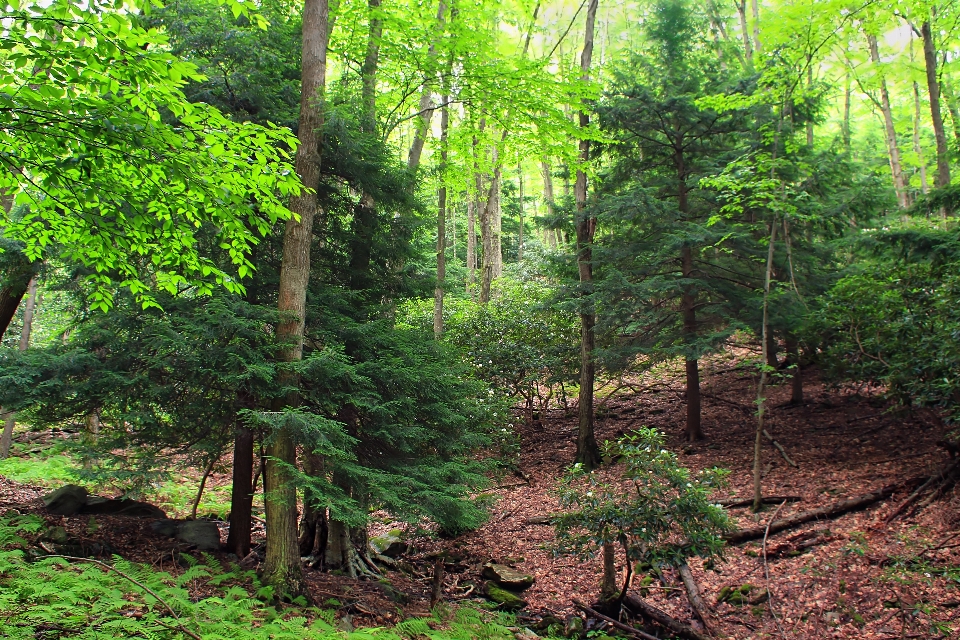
(823, 513)
(663, 619)
(701, 608)
(946, 472)
(733, 503)
(636, 633)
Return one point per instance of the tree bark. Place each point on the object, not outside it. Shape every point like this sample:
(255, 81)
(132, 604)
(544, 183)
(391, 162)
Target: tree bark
(313, 523)
(796, 380)
(241, 494)
(10, 417)
(426, 105)
(520, 232)
(441, 228)
(761, 387)
(588, 453)
(744, 32)
(755, 9)
(551, 236)
(608, 585)
(933, 87)
(471, 244)
(951, 99)
(282, 569)
(916, 139)
(845, 127)
(893, 148)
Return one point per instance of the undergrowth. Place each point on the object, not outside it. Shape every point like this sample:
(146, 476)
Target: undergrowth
(52, 597)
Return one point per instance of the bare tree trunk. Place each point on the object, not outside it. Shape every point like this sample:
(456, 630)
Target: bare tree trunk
(755, 10)
(588, 453)
(933, 87)
(744, 32)
(688, 305)
(471, 244)
(916, 139)
(810, 86)
(520, 233)
(282, 568)
(426, 108)
(845, 127)
(313, 524)
(796, 380)
(241, 494)
(548, 200)
(486, 243)
(441, 228)
(951, 99)
(9, 417)
(893, 149)
(761, 387)
(203, 483)
(90, 438)
(608, 585)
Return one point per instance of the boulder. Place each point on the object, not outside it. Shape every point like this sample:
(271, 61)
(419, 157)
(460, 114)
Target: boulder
(202, 534)
(389, 545)
(507, 600)
(66, 501)
(165, 527)
(122, 507)
(506, 577)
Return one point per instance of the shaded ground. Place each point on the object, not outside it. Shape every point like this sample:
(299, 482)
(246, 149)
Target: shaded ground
(845, 442)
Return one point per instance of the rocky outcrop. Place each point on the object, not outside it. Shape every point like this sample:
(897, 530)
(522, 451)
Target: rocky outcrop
(72, 499)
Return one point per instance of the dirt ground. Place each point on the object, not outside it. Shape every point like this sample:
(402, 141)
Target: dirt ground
(859, 579)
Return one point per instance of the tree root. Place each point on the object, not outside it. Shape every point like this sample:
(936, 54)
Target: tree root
(639, 607)
(636, 633)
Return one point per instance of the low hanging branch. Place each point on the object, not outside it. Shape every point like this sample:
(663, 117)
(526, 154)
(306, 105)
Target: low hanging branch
(831, 511)
(636, 633)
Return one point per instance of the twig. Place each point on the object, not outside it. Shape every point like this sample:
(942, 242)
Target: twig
(766, 570)
(636, 633)
(104, 565)
(780, 449)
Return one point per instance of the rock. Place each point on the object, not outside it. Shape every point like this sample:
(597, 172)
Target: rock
(525, 634)
(389, 545)
(56, 535)
(573, 628)
(66, 501)
(507, 577)
(507, 600)
(165, 527)
(122, 507)
(201, 534)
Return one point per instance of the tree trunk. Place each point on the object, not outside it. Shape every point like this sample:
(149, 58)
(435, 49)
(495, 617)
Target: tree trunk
(241, 494)
(313, 525)
(426, 108)
(761, 387)
(282, 569)
(10, 417)
(588, 453)
(893, 149)
(951, 99)
(772, 348)
(471, 244)
(933, 87)
(608, 584)
(441, 228)
(916, 139)
(755, 9)
(688, 305)
(796, 380)
(845, 126)
(548, 200)
(744, 32)
(810, 87)
(520, 232)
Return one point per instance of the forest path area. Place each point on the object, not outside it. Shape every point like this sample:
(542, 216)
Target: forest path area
(849, 577)
(857, 579)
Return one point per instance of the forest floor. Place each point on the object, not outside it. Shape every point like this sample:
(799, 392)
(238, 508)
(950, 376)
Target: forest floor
(859, 579)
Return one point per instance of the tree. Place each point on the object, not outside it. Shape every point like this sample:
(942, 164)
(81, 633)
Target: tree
(113, 163)
(282, 568)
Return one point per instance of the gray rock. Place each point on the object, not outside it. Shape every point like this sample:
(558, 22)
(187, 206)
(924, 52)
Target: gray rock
(66, 501)
(389, 545)
(122, 507)
(199, 533)
(507, 577)
(165, 527)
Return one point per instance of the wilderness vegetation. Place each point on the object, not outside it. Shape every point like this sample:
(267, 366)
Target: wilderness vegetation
(351, 246)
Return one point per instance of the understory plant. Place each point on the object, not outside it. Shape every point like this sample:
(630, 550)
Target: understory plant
(658, 512)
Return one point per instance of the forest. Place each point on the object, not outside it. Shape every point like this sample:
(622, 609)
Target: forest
(408, 319)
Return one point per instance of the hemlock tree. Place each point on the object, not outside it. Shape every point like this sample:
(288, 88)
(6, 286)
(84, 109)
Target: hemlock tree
(667, 282)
